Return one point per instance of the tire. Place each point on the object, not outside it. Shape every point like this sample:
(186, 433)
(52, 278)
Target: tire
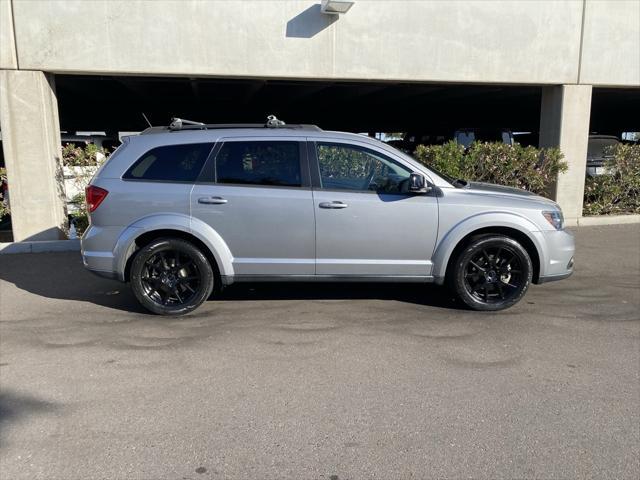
(171, 276)
(491, 273)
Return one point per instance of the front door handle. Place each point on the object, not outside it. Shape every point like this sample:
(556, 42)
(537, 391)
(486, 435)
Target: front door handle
(212, 200)
(333, 205)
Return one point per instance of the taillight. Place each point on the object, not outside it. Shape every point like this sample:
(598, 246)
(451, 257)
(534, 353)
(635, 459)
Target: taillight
(95, 196)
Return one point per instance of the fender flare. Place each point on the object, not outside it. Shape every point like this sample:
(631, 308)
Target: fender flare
(454, 236)
(126, 243)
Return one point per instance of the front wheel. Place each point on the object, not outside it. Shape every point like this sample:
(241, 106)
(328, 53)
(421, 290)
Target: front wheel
(492, 273)
(171, 276)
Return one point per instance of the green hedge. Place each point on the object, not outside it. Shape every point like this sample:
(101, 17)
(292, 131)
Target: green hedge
(512, 165)
(4, 204)
(617, 192)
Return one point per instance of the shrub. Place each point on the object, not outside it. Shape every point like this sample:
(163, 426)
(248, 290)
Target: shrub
(512, 165)
(617, 192)
(87, 156)
(4, 202)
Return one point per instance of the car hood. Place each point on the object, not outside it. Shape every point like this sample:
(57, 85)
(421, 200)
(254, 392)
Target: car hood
(501, 190)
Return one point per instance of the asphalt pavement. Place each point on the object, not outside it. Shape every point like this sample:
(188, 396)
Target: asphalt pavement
(325, 381)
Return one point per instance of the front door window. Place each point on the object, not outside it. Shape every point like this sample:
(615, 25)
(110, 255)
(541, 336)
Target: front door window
(349, 167)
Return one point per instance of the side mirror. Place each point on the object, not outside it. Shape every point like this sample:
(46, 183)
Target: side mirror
(418, 184)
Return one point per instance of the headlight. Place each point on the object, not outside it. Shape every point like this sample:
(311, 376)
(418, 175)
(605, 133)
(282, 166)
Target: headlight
(555, 218)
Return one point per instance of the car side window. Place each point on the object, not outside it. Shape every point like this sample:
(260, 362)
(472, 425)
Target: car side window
(173, 163)
(350, 167)
(274, 163)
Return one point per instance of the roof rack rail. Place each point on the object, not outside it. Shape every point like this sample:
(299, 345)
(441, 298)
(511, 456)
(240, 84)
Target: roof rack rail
(180, 124)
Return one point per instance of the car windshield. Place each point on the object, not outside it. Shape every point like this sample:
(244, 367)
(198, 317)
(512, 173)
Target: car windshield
(598, 146)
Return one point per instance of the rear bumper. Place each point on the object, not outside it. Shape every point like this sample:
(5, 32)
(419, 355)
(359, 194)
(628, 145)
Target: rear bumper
(97, 245)
(102, 274)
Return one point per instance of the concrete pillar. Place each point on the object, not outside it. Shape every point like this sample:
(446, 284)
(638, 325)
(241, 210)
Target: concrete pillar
(564, 123)
(32, 153)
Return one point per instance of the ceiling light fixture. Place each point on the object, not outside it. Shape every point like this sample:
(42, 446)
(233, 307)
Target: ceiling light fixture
(335, 7)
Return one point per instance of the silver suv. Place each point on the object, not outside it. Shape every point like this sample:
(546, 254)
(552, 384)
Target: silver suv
(178, 211)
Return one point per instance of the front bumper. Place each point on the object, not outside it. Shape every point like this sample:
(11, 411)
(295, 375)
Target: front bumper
(553, 278)
(557, 259)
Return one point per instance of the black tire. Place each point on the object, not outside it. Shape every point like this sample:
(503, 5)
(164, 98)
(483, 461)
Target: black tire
(491, 273)
(171, 276)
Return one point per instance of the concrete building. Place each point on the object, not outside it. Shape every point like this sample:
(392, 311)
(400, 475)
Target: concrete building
(94, 65)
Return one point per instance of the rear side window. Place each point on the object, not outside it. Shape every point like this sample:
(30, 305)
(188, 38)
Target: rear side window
(259, 163)
(174, 163)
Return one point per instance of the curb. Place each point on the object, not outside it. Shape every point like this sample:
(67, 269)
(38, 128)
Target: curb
(40, 247)
(608, 220)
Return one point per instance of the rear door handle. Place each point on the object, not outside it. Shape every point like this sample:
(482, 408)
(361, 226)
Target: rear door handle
(212, 200)
(333, 205)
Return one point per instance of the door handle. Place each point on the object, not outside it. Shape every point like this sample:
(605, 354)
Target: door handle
(333, 205)
(212, 200)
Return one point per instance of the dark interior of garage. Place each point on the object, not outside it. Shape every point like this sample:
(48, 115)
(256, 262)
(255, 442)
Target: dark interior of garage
(111, 104)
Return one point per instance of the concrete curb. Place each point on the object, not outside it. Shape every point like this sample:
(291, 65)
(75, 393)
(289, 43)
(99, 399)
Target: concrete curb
(608, 220)
(40, 247)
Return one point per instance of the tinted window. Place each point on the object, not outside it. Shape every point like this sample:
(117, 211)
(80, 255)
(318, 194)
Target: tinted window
(178, 163)
(599, 147)
(348, 167)
(259, 163)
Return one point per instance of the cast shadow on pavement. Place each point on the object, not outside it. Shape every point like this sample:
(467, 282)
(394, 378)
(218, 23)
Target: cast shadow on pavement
(62, 276)
(14, 407)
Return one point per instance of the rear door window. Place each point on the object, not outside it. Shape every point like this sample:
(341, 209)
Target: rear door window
(171, 163)
(275, 163)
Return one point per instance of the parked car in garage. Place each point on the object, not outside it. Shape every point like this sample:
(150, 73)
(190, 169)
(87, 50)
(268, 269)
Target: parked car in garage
(179, 210)
(598, 153)
(463, 136)
(466, 136)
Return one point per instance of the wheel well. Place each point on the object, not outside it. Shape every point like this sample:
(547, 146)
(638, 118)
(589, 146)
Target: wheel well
(517, 235)
(148, 237)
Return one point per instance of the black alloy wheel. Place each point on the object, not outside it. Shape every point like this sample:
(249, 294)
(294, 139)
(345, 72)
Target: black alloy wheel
(171, 276)
(492, 273)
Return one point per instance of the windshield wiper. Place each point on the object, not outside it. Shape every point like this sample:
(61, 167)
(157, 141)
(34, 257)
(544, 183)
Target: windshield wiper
(460, 183)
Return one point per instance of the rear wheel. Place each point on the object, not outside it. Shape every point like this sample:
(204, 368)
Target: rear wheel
(492, 273)
(171, 276)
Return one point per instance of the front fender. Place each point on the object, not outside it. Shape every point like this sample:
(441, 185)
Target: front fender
(452, 238)
(126, 244)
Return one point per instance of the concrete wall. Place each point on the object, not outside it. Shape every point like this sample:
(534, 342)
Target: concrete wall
(564, 123)
(524, 41)
(31, 144)
(8, 58)
(611, 43)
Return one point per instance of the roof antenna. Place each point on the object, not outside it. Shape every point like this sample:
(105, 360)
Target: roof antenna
(147, 120)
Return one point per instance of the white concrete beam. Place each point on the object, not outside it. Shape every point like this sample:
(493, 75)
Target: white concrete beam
(564, 123)
(32, 153)
(531, 42)
(8, 53)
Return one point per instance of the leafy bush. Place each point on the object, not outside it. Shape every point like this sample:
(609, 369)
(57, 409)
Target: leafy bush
(87, 156)
(618, 191)
(512, 165)
(4, 202)
(78, 156)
